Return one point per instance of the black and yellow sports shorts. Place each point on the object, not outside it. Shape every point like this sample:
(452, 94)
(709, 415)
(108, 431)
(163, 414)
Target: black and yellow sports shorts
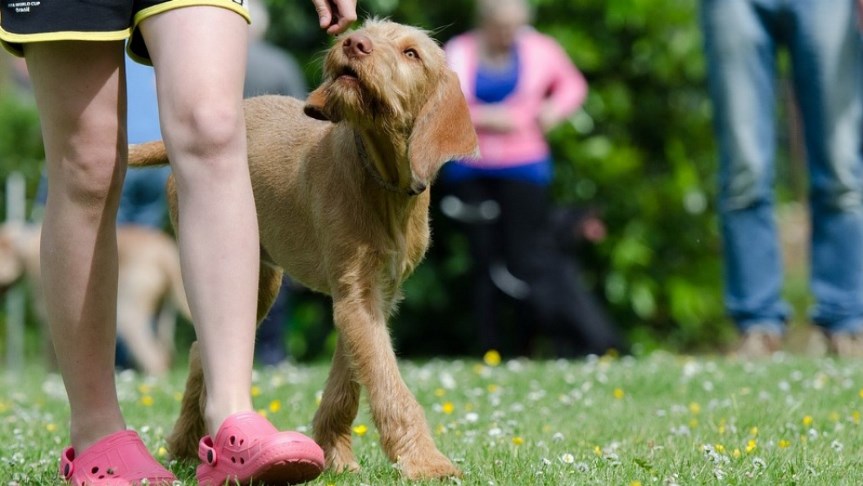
(24, 21)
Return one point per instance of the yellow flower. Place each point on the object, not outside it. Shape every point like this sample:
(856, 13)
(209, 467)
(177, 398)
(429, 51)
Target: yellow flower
(256, 391)
(147, 401)
(517, 440)
(360, 430)
(753, 431)
(784, 444)
(178, 396)
(855, 417)
(807, 420)
(51, 427)
(597, 451)
(439, 392)
(694, 408)
(736, 453)
(719, 448)
(448, 408)
(751, 445)
(162, 452)
(635, 483)
(492, 388)
(618, 393)
(860, 393)
(492, 357)
(275, 406)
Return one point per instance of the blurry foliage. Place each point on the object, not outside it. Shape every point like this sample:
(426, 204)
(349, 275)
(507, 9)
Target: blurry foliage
(20, 141)
(641, 149)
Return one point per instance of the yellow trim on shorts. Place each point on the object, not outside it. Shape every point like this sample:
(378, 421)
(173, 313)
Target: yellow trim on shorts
(171, 5)
(14, 42)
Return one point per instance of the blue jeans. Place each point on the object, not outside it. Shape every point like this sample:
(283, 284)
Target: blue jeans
(741, 39)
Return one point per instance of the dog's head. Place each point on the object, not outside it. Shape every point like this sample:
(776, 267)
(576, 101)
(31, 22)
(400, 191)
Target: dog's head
(393, 77)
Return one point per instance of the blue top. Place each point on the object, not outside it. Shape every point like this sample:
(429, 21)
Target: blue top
(494, 86)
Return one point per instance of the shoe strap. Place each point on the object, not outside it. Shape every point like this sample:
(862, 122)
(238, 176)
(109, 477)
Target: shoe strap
(67, 464)
(206, 451)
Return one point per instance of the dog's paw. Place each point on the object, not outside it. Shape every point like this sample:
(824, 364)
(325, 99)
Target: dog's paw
(427, 465)
(340, 460)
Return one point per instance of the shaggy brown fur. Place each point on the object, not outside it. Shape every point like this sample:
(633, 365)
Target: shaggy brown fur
(150, 286)
(343, 208)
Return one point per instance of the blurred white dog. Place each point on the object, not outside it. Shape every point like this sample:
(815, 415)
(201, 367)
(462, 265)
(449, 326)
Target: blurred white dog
(150, 286)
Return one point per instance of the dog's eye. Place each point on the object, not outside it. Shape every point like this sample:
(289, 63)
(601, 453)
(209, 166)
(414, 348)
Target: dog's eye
(412, 53)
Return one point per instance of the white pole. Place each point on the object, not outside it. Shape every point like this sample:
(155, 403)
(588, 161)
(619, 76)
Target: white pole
(16, 298)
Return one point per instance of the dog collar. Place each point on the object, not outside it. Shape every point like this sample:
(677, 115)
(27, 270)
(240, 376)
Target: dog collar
(367, 165)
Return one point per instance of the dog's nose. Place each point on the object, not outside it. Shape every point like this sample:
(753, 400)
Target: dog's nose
(357, 45)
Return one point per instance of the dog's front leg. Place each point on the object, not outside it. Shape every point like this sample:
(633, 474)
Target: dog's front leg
(405, 436)
(338, 409)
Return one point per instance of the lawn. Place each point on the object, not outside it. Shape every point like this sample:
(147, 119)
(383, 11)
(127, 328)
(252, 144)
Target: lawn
(659, 419)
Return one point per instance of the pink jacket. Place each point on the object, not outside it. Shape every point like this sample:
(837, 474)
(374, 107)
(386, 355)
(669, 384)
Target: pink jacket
(546, 74)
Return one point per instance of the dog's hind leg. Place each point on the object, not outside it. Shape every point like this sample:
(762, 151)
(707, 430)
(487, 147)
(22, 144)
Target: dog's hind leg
(405, 436)
(189, 428)
(338, 409)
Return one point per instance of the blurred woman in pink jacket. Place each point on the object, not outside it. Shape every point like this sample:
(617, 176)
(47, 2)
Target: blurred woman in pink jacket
(519, 84)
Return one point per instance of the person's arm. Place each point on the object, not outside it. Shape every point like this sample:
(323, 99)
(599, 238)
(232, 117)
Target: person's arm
(336, 15)
(568, 89)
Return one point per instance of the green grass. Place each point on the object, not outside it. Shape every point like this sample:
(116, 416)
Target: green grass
(660, 419)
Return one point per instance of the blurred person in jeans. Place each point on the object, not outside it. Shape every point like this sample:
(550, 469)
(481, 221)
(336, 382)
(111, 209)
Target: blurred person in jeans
(741, 40)
(519, 84)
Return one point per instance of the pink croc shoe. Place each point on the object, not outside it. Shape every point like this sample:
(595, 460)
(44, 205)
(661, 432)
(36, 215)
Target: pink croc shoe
(120, 459)
(248, 447)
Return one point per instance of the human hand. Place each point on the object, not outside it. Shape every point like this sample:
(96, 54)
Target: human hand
(593, 229)
(336, 15)
(548, 118)
(495, 119)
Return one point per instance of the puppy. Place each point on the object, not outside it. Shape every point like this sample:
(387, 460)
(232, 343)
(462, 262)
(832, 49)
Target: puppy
(150, 286)
(340, 185)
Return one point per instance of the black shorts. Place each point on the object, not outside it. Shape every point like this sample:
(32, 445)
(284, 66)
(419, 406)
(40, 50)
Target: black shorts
(23, 21)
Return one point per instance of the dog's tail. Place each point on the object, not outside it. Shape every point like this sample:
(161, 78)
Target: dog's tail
(150, 154)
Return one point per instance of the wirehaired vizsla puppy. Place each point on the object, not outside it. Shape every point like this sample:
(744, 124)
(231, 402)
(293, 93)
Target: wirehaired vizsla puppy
(340, 184)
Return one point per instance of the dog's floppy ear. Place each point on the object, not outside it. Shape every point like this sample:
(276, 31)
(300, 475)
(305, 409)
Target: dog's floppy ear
(317, 105)
(443, 130)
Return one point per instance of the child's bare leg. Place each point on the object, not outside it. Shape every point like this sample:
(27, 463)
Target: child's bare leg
(79, 89)
(199, 56)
